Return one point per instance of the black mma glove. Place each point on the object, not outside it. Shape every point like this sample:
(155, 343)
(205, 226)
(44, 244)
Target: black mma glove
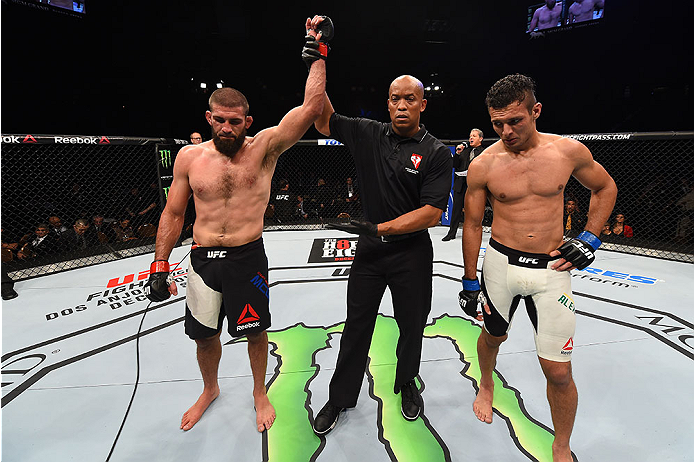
(580, 251)
(157, 286)
(469, 297)
(356, 227)
(318, 49)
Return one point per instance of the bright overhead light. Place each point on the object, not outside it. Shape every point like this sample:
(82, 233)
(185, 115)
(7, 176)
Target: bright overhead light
(203, 85)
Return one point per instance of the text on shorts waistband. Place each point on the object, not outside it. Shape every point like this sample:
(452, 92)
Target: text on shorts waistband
(520, 258)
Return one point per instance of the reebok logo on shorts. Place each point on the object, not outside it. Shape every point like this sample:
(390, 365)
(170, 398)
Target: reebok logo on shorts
(568, 347)
(249, 318)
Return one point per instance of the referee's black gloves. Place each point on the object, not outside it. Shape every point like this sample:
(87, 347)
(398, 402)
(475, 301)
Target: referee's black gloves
(356, 227)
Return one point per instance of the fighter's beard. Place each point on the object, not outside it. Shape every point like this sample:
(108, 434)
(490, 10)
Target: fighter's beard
(227, 146)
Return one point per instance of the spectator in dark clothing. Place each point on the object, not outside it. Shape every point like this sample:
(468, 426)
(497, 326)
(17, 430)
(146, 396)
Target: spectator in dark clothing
(100, 232)
(77, 238)
(323, 200)
(282, 202)
(57, 226)
(574, 219)
(43, 243)
(348, 199)
(124, 230)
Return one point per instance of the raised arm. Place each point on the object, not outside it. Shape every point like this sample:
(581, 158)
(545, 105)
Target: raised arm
(297, 121)
(323, 122)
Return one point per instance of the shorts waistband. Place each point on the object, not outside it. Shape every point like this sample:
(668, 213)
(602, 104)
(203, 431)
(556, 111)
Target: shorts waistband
(520, 258)
(225, 252)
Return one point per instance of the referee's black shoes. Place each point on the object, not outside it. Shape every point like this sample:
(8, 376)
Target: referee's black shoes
(411, 401)
(326, 419)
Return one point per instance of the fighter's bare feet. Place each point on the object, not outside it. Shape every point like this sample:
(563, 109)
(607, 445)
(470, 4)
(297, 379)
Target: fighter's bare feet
(483, 405)
(264, 412)
(192, 415)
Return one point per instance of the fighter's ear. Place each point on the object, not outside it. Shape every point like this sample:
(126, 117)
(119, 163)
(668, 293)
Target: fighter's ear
(249, 121)
(208, 116)
(537, 109)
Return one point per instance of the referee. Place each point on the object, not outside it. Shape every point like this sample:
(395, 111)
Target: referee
(405, 175)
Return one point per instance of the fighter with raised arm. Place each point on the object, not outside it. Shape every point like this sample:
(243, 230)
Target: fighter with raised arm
(524, 175)
(230, 177)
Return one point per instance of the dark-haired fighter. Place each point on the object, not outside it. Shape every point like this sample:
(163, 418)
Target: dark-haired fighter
(524, 175)
(229, 177)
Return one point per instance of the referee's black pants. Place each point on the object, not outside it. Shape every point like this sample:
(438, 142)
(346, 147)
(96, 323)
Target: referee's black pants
(405, 267)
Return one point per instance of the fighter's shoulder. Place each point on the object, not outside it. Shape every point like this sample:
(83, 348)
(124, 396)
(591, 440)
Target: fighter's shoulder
(491, 153)
(570, 149)
(566, 144)
(188, 154)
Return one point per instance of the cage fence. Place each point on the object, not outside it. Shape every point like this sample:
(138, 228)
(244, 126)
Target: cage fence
(72, 201)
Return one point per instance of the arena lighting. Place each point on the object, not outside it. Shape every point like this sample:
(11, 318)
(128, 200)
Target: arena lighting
(203, 85)
(219, 85)
(434, 87)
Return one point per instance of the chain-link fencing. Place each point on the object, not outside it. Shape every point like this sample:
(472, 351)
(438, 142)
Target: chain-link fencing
(70, 201)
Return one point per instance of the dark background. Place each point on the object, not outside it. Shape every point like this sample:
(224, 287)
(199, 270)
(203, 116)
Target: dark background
(134, 68)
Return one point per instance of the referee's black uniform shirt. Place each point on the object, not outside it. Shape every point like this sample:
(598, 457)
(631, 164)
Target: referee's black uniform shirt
(396, 175)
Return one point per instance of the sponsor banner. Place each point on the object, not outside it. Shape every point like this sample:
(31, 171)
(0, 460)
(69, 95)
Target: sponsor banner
(333, 250)
(329, 142)
(601, 136)
(83, 140)
(613, 278)
(165, 156)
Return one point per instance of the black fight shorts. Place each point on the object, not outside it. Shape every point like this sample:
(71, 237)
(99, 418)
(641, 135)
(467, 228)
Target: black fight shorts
(231, 282)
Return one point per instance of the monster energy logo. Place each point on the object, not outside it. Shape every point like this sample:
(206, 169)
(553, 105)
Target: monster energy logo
(166, 192)
(291, 438)
(165, 157)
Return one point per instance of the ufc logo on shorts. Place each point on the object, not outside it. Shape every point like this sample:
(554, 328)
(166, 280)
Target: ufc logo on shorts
(528, 260)
(216, 253)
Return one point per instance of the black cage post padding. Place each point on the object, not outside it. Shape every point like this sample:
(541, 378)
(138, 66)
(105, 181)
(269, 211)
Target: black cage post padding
(80, 177)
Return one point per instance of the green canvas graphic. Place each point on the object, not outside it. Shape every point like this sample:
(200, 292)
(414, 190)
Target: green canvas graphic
(291, 438)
